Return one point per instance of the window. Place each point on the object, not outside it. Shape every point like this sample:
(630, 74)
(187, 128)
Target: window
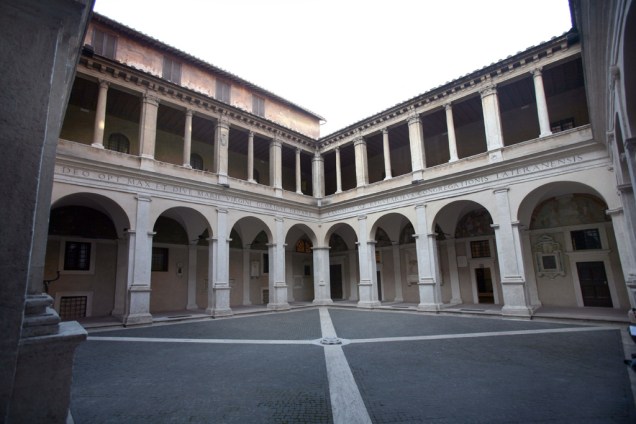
(222, 91)
(160, 259)
(118, 143)
(73, 307)
(586, 239)
(562, 125)
(265, 263)
(258, 105)
(480, 249)
(171, 70)
(196, 161)
(104, 44)
(77, 256)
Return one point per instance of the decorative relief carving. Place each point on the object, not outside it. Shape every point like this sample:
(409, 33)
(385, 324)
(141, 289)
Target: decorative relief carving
(548, 258)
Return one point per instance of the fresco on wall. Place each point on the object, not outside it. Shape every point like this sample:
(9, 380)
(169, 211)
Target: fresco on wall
(475, 223)
(568, 210)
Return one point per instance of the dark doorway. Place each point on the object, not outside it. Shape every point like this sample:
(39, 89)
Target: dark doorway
(380, 286)
(593, 280)
(335, 277)
(485, 292)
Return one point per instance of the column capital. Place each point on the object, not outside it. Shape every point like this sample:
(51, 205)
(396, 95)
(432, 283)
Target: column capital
(103, 83)
(189, 112)
(420, 206)
(537, 72)
(488, 90)
(275, 142)
(223, 120)
(385, 131)
(219, 210)
(150, 99)
(414, 119)
(362, 217)
(501, 190)
(614, 212)
(317, 156)
(448, 106)
(359, 140)
(250, 133)
(143, 198)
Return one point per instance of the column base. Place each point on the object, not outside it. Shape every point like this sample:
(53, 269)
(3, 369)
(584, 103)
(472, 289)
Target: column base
(215, 313)
(495, 155)
(98, 146)
(192, 307)
(429, 307)
(456, 301)
(517, 311)
(322, 302)
(278, 306)
(369, 304)
(137, 319)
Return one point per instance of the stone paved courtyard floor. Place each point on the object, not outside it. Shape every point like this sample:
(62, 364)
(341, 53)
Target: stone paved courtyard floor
(392, 367)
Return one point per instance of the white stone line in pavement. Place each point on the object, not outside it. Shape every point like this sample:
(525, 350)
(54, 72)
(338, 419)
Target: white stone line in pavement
(486, 334)
(202, 341)
(347, 406)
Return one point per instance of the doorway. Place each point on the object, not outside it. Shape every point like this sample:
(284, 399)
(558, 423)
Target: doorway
(483, 279)
(379, 274)
(335, 278)
(593, 281)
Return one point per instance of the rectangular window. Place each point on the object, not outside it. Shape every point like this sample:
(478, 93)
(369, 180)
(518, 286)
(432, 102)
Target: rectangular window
(222, 91)
(104, 44)
(586, 239)
(160, 259)
(73, 307)
(265, 263)
(258, 105)
(171, 70)
(480, 249)
(77, 256)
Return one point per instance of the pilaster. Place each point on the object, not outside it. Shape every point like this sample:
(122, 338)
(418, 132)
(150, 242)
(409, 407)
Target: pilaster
(397, 271)
(218, 266)
(246, 274)
(192, 276)
(365, 286)
(277, 283)
(626, 250)
(451, 252)
(427, 264)
(222, 137)
(322, 281)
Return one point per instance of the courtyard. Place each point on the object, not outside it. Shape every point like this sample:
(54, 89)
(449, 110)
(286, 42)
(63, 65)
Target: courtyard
(323, 365)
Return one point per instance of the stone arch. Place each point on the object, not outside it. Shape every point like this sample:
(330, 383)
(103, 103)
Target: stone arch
(629, 68)
(103, 204)
(249, 227)
(301, 267)
(449, 216)
(343, 261)
(392, 223)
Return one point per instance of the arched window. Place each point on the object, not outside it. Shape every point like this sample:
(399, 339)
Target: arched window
(118, 142)
(196, 161)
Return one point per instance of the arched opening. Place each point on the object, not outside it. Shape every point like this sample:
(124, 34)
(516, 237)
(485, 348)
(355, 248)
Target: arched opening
(343, 262)
(250, 262)
(299, 261)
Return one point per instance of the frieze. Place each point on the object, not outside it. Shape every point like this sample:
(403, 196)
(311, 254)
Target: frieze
(182, 190)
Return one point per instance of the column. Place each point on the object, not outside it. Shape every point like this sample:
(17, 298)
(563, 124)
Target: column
(353, 270)
(365, 286)
(338, 172)
(373, 266)
(187, 139)
(626, 251)
(362, 166)
(247, 274)
(275, 165)
(450, 127)
(121, 276)
(509, 256)
(387, 154)
(397, 271)
(277, 284)
(192, 275)
(219, 269)
(416, 141)
(299, 189)
(100, 115)
(250, 157)
(139, 266)
(542, 104)
(148, 126)
(318, 175)
(427, 264)
(322, 281)
(456, 296)
(289, 275)
(222, 136)
(492, 123)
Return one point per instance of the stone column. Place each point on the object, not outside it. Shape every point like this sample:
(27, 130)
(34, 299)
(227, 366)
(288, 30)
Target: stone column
(219, 270)
(221, 155)
(542, 104)
(427, 264)
(492, 123)
(247, 274)
(187, 139)
(456, 296)
(416, 140)
(100, 115)
(318, 176)
(353, 269)
(450, 127)
(365, 286)
(192, 275)
(275, 166)
(250, 157)
(121, 276)
(299, 188)
(397, 271)
(362, 166)
(148, 125)
(278, 286)
(338, 172)
(626, 251)
(140, 261)
(387, 154)
(510, 258)
(322, 280)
